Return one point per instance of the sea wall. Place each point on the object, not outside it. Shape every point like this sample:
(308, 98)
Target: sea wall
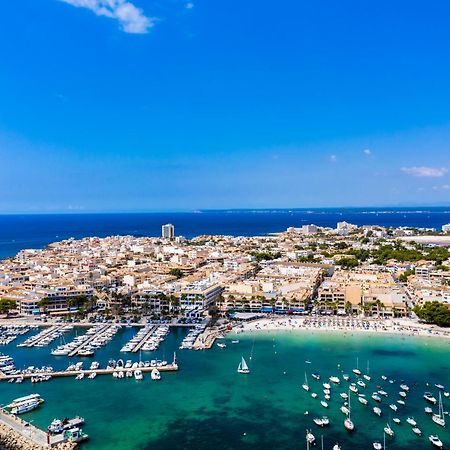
(11, 440)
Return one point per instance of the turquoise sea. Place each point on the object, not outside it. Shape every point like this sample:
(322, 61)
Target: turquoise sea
(208, 405)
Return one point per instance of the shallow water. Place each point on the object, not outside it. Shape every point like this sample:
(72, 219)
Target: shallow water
(208, 405)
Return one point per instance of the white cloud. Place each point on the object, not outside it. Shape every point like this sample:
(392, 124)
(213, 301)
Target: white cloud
(422, 171)
(333, 158)
(367, 151)
(189, 5)
(443, 187)
(131, 18)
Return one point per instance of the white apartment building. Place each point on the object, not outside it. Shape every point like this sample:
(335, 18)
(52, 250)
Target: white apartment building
(168, 231)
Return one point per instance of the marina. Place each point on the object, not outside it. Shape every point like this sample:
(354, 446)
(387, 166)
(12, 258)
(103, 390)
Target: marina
(329, 357)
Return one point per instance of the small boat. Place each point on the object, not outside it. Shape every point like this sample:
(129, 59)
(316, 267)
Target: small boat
(335, 380)
(243, 368)
(401, 402)
(377, 411)
(429, 398)
(393, 407)
(402, 394)
(344, 395)
(405, 387)
(434, 439)
(321, 421)
(384, 377)
(376, 397)
(155, 375)
(357, 371)
(446, 394)
(80, 376)
(324, 403)
(362, 400)
(336, 447)
(388, 430)
(313, 395)
(396, 420)
(326, 385)
(92, 375)
(361, 383)
(353, 388)
(417, 431)
(236, 341)
(439, 386)
(428, 410)
(367, 376)
(310, 438)
(439, 418)
(384, 393)
(138, 375)
(411, 421)
(377, 445)
(316, 376)
(221, 345)
(345, 377)
(344, 410)
(348, 423)
(305, 385)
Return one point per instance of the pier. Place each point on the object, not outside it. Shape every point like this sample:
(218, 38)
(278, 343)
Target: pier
(73, 373)
(28, 435)
(90, 339)
(36, 340)
(144, 339)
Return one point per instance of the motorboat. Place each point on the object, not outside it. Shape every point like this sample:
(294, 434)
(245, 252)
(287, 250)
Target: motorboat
(221, 345)
(361, 383)
(357, 371)
(336, 447)
(417, 431)
(384, 393)
(326, 385)
(155, 375)
(324, 403)
(377, 445)
(411, 421)
(316, 376)
(393, 407)
(345, 377)
(377, 411)
(402, 394)
(362, 400)
(439, 386)
(353, 388)
(404, 387)
(401, 402)
(396, 420)
(434, 439)
(428, 410)
(321, 421)
(344, 410)
(138, 375)
(344, 395)
(429, 398)
(335, 380)
(313, 395)
(376, 397)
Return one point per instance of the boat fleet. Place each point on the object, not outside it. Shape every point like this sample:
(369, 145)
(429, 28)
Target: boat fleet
(358, 389)
(94, 338)
(9, 333)
(152, 337)
(191, 337)
(46, 336)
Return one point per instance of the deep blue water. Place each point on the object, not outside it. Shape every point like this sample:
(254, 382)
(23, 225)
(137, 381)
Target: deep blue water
(36, 231)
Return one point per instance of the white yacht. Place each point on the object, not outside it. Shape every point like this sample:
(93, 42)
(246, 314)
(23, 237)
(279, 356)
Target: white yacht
(362, 400)
(411, 421)
(417, 431)
(357, 371)
(376, 397)
(344, 410)
(439, 418)
(361, 383)
(344, 395)
(243, 368)
(367, 376)
(305, 385)
(405, 387)
(348, 423)
(434, 439)
(155, 375)
(396, 420)
(429, 398)
(335, 380)
(138, 375)
(377, 411)
(393, 407)
(324, 403)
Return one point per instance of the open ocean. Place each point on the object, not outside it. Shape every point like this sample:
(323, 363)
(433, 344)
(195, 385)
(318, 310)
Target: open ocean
(36, 231)
(208, 405)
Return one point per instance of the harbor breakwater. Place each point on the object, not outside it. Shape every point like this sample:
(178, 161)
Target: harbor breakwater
(12, 440)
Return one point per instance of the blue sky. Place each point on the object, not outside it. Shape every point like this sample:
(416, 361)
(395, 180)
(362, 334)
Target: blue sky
(117, 105)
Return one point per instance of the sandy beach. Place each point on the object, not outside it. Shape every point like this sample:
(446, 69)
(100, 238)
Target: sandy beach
(402, 327)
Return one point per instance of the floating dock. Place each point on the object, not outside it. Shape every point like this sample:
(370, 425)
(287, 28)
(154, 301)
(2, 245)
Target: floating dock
(43, 335)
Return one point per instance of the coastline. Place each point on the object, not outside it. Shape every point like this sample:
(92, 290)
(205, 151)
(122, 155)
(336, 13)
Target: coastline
(400, 327)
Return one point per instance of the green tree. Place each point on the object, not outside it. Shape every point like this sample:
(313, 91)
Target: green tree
(176, 272)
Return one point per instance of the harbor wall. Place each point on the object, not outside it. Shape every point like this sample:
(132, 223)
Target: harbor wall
(12, 440)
